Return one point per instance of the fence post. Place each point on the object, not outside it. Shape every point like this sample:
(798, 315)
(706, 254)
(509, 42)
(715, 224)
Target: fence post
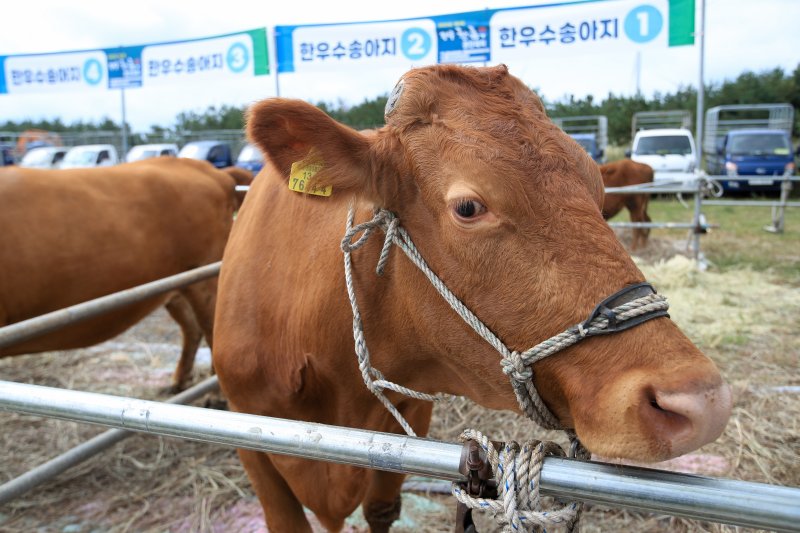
(696, 220)
(779, 211)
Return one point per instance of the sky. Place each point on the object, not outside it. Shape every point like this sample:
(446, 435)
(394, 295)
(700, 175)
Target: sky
(741, 35)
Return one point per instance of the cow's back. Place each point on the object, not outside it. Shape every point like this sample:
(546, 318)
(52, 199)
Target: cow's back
(74, 235)
(625, 172)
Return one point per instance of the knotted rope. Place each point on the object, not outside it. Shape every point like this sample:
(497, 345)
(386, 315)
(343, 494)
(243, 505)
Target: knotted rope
(516, 365)
(518, 471)
(373, 378)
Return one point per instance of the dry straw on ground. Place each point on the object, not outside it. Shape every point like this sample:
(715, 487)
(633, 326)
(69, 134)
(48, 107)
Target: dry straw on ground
(743, 320)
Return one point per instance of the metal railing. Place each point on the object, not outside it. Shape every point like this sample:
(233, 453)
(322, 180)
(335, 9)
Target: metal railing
(34, 327)
(46, 471)
(701, 187)
(779, 206)
(697, 186)
(720, 500)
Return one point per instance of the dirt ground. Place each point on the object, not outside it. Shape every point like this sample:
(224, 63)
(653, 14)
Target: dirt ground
(747, 322)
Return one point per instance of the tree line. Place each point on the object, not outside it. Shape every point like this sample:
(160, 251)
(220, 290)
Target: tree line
(770, 86)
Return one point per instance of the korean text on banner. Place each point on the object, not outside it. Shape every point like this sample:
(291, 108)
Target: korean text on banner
(49, 73)
(389, 44)
(589, 27)
(228, 56)
(225, 56)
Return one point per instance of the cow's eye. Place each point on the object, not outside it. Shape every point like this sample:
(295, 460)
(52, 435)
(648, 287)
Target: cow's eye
(468, 209)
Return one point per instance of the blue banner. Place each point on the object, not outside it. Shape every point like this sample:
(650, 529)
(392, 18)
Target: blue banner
(464, 37)
(125, 67)
(225, 56)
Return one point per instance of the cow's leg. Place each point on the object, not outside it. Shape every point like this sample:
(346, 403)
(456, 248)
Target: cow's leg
(381, 504)
(180, 310)
(637, 206)
(632, 205)
(282, 510)
(202, 297)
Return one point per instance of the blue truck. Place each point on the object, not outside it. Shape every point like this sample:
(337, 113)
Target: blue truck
(763, 155)
(588, 142)
(750, 145)
(590, 131)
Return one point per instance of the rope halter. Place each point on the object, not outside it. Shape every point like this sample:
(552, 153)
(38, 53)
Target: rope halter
(627, 308)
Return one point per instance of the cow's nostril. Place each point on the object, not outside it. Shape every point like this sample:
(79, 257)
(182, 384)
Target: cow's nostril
(683, 421)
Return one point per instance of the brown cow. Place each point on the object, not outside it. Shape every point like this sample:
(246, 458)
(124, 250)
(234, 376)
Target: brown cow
(620, 174)
(73, 235)
(505, 208)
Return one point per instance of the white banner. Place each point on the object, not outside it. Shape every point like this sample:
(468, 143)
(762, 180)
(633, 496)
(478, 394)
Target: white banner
(199, 60)
(364, 45)
(600, 27)
(56, 72)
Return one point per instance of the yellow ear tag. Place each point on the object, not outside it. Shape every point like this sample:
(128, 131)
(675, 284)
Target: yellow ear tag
(301, 173)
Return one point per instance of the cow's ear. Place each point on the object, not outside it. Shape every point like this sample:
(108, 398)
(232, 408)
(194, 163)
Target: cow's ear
(293, 131)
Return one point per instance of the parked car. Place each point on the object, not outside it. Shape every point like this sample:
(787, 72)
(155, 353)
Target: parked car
(146, 151)
(215, 152)
(764, 154)
(6, 155)
(44, 157)
(90, 155)
(250, 158)
(670, 152)
(589, 143)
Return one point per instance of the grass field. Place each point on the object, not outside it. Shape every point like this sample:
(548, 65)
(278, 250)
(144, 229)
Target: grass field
(740, 241)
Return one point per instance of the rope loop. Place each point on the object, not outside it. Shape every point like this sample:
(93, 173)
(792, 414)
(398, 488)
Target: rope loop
(518, 469)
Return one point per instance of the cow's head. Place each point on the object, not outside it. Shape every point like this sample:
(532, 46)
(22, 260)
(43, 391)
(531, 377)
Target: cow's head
(506, 209)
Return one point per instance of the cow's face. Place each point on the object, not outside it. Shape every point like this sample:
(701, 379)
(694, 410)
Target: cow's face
(506, 209)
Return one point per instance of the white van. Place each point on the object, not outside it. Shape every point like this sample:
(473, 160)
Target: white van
(146, 151)
(43, 157)
(90, 155)
(670, 152)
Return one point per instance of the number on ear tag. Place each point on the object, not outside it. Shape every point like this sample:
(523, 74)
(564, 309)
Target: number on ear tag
(301, 173)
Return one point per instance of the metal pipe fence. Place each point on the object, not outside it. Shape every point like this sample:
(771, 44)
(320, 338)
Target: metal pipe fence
(697, 187)
(728, 501)
(46, 471)
(778, 207)
(34, 327)
(700, 187)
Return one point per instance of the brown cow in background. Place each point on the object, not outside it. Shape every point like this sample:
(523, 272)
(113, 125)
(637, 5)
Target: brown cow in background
(69, 236)
(620, 174)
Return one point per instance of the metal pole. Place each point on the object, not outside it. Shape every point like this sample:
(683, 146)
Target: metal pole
(47, 471)
(696, 220)
(779, 210)
(701, 34)
(40, 325)
(274, 54)
(659, 225)
(124, 126)
(751, 203)
(734, 502)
